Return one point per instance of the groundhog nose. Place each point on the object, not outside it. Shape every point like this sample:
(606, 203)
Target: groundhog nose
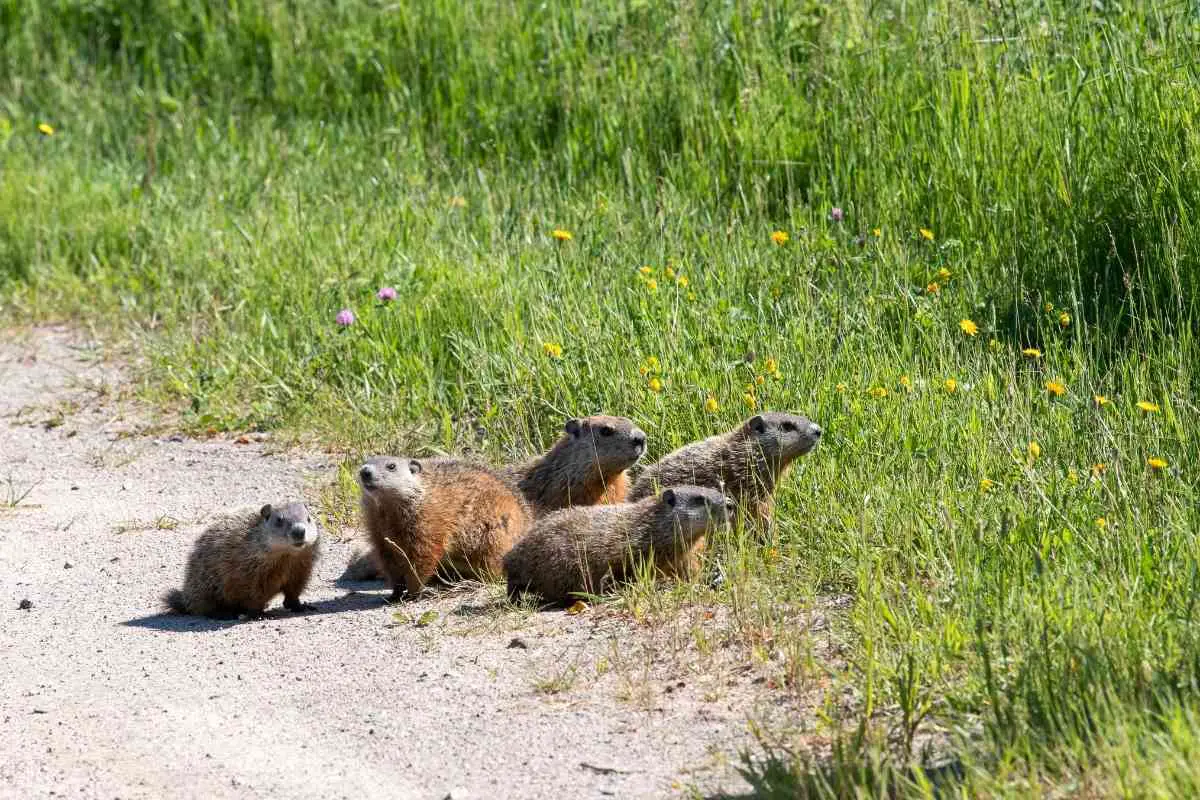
(299, 532)
(366, 473)
(638, 438)
(729, 504)
(814, 430)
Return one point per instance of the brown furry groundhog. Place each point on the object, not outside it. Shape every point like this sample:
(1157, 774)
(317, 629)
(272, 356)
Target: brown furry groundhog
(746, 463)
(586, 549)
(243, 560)
(424, 514)
(586, 466)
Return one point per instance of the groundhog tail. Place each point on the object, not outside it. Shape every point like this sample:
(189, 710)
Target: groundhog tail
(175, 602)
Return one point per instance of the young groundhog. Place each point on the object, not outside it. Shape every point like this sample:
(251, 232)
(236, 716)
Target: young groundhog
(431, 513)
(245, 559)
(585, 549)
(586, 466)
(746, 463)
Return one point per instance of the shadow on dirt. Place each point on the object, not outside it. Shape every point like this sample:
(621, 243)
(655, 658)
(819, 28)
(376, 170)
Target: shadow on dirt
(181, 623)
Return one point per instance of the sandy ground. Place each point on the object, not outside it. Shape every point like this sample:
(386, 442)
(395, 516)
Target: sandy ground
(104, 696)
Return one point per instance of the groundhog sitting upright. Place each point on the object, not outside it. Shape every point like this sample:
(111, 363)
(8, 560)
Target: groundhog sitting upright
(245, 559)
(586, 549)
(586, 466)
(425, 514)
(746, 463)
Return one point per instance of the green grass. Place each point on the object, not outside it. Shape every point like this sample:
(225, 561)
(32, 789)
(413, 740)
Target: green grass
(223, 178)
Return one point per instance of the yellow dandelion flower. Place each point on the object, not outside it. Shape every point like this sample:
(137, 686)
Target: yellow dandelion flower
(933, 288)
(878, 392)
(943, 274)
(552, 349)
(876, 232)
(458, 201)
(1072, 476)
(968, 327)
(1056, 388)
(562, 235)
(1031, 352)
(1149, 408)
(950, 385)
(905, 383)
(652, 285)
(1035, 449)
(646, 270)
(655, 385)
(682, 280)
(1064, 319)
(711, 405)
(759, 380)
(779, 237)
(927, 234)
(1049, 308)
(1100, 400)
(1156, 463)
(670, 273)
(1101, 523)
(1098, 469)
(841, 387)
(986, 485)
(750, 401)
(45, 129)
(653, 363)
(690, 295)
(771, 367)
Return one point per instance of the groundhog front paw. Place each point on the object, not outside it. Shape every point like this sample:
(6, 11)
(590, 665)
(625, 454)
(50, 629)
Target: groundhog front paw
(298, 607)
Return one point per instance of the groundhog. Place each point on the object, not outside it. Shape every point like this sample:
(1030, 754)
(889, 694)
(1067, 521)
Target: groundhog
(586, 466)
(586, 549)
(424, 514)
(746, 463)
(245, 559)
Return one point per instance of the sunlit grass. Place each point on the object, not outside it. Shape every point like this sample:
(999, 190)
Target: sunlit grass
(963, 240)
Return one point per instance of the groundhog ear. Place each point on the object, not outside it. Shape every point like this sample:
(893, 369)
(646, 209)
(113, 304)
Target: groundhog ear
(414, 467)
(572, 427)
(266, 511)
(669, 498)
(756, 423)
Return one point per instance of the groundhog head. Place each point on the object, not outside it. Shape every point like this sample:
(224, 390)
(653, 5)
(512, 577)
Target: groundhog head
(696, 510)
(782, 437)
(392, 477)
(612, 443)
(288, 526)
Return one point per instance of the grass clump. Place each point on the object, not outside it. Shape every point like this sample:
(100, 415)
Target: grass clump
(220, 181)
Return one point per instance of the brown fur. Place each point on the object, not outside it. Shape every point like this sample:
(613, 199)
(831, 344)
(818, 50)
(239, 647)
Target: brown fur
(448, 514)
(746, 463)
(242, 561)
(586, 549)
(586, 466)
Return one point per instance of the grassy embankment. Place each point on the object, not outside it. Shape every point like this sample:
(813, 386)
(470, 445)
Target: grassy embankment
(229, 180)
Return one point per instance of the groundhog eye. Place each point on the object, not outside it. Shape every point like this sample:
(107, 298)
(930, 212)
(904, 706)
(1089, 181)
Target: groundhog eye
(790, 427)
(391, 466)
(607, 430)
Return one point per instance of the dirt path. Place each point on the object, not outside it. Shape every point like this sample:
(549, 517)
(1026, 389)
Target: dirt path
(105, 697)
